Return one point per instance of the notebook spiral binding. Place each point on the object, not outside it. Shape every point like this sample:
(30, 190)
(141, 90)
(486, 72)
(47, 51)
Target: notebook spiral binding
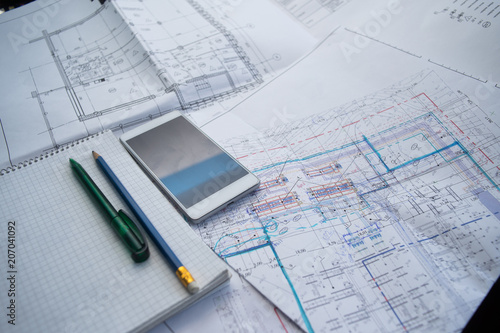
(47, 154)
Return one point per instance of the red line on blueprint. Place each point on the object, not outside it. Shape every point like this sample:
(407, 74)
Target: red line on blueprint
(385, 109)
(404, 327)
(351, 123)
(355, 122)
(457, 127)
(416, 96)
(275, 204)
(281, 321)
(241, 157)
(430, 100)
(316, 136)
(485, 155)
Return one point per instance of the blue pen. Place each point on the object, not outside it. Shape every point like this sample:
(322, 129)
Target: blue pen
(181, 271)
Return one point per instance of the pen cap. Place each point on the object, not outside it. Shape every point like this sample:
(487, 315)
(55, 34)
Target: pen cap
(133, 238)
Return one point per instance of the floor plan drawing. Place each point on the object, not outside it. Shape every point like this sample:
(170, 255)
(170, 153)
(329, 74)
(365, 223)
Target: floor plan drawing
(103, 67)
(208, 64)
(368, 212)
(116, 65)
(311, 12)
(237, 308)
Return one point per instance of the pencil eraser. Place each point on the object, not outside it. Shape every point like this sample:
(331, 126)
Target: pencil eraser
(193, 287)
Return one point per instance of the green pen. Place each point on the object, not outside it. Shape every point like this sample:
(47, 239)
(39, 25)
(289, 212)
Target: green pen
(124, 227)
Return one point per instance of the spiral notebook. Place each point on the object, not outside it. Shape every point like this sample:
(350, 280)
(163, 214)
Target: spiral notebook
(64, 270)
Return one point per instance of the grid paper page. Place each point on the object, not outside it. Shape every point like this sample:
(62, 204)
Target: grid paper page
(71, 272)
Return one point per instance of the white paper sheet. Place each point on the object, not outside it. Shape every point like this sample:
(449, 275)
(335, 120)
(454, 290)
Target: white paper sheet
(70, 69)
(379, 210)
(375, 45)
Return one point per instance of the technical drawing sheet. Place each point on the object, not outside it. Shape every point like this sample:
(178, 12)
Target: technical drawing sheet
(74, 68)
(379, 211)
(459, 36)
(379, 215)
(236, 308)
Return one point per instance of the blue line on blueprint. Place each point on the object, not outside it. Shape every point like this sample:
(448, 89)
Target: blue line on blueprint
(244, 251)
(285, 274)
(376, 152)
(424, 156)
(477, 165)
(239, 231)
(382, 253)
(307, 157)
(410, 161)
(304, 316)
(425, 239)
(466, 152)
(388, 303)
(365, 139)
(430, 114)
(471, 221)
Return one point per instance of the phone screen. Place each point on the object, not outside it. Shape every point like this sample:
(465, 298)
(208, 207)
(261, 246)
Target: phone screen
(189, 164)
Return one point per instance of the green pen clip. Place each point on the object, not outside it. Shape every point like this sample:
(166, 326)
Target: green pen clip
(132, 236)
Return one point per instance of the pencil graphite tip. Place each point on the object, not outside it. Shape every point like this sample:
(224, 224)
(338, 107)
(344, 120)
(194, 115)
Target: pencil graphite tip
(96, 155)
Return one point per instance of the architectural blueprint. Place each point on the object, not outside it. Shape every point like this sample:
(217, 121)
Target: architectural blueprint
(459, 36)
(79, 67)
(381, 214)
(311, 12)
(456, 35)
(236, 308)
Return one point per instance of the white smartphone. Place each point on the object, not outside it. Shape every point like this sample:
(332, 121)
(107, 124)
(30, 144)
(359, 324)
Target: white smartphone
(193, 171)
